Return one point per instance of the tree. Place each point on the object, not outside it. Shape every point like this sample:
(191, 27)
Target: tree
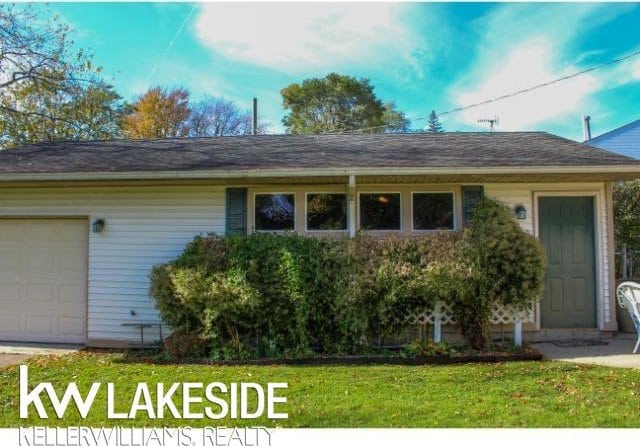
(47, 90)
(510, 266)
(159, 113)
(331, 104)
(82, 112)
(433, 124)
(219, 117)
(395, 120)
(626, 214)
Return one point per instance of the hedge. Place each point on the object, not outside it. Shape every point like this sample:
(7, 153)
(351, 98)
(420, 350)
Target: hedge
(268, 295)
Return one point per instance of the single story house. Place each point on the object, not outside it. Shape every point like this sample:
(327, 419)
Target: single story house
(82, 223)
(624, 140)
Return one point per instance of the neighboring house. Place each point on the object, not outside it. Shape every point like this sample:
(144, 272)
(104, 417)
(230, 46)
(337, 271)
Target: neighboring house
(82, 223)
(624, 140)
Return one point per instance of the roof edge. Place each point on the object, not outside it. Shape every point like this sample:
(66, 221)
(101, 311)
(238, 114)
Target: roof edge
(273, 173)
(613, 131)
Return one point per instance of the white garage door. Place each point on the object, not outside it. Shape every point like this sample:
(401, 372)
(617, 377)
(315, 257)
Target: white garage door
(43, 280)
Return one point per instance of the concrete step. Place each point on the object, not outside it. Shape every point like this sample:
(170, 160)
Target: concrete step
(566, 334)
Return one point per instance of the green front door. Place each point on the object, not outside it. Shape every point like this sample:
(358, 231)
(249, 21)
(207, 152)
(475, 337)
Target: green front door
(567, 232)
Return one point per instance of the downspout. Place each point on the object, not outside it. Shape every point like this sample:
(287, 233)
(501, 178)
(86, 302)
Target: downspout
(351, 212)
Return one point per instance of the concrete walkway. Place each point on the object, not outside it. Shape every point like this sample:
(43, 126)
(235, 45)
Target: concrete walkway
(613, 352)
(12, 353)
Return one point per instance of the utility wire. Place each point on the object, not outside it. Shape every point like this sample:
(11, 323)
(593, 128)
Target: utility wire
(506, 96)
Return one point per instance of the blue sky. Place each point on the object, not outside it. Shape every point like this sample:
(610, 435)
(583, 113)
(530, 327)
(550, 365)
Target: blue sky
(422, 56)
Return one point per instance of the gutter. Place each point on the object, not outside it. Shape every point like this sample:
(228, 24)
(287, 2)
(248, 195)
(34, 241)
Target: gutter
(275, 173)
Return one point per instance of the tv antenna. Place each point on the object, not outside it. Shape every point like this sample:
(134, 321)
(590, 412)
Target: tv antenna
(493, 122)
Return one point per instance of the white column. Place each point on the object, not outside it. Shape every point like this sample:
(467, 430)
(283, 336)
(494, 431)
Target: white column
(351, 212)
(517, 331)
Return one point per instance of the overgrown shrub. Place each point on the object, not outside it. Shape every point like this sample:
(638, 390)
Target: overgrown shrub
(393, 280)
(288, 295)
(182, 344)
(506, 267)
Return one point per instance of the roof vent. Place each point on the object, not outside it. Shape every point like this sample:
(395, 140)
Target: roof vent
(586, 127)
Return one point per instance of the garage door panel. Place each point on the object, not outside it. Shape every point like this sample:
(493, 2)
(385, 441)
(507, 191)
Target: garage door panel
(40, 325)
(71, 326)
(9, 292)
(42, 231)
(41, 293)
(40, 260)
(43, 280)
(10, 323)
(10, 234)
(71, 293)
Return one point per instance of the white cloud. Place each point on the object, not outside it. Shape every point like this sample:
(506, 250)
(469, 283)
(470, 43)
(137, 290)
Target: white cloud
(635, 70)
(525, 66)
(522, 45)
(296, 37)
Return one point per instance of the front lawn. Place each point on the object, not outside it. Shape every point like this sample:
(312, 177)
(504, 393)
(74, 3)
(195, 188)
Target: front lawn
(517, 394)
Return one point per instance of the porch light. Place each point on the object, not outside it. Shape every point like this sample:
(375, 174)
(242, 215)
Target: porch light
(98, 225)
(520, 211)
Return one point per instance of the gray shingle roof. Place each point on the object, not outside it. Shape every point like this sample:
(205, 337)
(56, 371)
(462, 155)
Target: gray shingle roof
(416, 150)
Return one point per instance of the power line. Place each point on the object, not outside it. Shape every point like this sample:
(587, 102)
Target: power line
(544, 84)
(507, 96)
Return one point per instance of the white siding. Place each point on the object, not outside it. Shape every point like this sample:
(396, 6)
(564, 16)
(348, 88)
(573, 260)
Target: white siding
(144, 226)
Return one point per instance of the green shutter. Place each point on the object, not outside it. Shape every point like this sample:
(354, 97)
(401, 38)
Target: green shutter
(236, 211)
(471, 196)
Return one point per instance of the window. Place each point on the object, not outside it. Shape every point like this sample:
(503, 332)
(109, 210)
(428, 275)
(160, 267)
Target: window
(326, 212)
(275, 212)
(380, 211)
(432, 211)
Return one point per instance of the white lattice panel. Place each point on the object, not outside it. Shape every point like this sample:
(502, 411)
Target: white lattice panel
(499, 315)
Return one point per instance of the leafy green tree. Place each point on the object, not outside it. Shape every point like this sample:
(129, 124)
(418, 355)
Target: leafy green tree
(395, 120)
(336, 103)
(433, 125)
(626, 214)
(511, 265)
(48, 90)
(83, 112)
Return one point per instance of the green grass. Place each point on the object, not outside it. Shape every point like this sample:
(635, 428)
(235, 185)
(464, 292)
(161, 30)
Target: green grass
(516, 394)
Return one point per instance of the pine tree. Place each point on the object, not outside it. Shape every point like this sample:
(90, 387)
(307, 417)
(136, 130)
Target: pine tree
(434, 125)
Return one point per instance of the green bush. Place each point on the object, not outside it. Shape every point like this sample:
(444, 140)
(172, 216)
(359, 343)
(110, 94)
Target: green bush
(182, 344)
(393, 280)
(288, 295)
(506, 267)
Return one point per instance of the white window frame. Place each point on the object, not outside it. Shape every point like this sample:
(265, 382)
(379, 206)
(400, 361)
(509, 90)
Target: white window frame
(275, 231)
(366, 192)
(455, 214)
(320, 231)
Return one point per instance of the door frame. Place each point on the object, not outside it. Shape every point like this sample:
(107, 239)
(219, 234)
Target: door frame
(600, 247)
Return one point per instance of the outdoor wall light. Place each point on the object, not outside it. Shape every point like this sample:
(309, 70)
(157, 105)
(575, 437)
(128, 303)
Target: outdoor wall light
(520, 211)
(98, 225)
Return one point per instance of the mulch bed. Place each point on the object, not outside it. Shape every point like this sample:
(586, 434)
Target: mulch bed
(528, 354)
